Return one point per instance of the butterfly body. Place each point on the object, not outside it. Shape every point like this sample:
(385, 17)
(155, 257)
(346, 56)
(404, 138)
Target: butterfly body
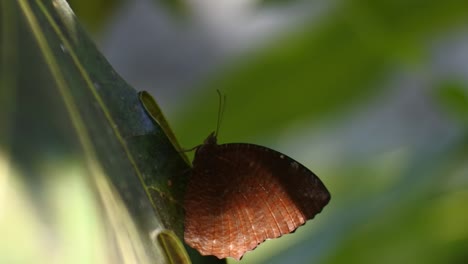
(241, 194)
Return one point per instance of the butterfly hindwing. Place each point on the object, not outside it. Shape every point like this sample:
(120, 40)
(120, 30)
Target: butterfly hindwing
(242, 194)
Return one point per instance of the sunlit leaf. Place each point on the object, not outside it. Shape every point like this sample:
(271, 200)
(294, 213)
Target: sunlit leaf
(72, 129)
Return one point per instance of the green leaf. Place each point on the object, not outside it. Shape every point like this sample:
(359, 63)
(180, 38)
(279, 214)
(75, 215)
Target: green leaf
(89, 166)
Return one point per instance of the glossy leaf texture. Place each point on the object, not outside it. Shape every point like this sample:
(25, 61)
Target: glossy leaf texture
(84, 163)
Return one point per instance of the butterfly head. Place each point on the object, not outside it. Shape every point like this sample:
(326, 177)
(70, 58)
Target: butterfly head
(211, 139)
(209, 144)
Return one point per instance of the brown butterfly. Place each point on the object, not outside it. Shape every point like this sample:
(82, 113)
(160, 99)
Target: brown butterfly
(240, 194)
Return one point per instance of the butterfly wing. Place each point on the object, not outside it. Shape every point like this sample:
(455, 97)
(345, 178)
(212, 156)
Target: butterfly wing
(239, 195)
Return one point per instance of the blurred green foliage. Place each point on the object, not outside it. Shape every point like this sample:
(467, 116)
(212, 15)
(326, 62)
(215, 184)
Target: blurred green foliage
(320, 70)
(454, 97)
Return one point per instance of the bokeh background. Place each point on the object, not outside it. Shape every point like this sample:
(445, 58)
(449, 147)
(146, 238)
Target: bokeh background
(370, 95)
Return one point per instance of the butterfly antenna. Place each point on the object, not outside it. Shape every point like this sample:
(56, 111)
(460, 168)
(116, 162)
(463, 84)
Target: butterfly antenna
(221, 107)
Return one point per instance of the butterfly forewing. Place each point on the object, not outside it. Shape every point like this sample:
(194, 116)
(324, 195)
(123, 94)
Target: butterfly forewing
(242, 194)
